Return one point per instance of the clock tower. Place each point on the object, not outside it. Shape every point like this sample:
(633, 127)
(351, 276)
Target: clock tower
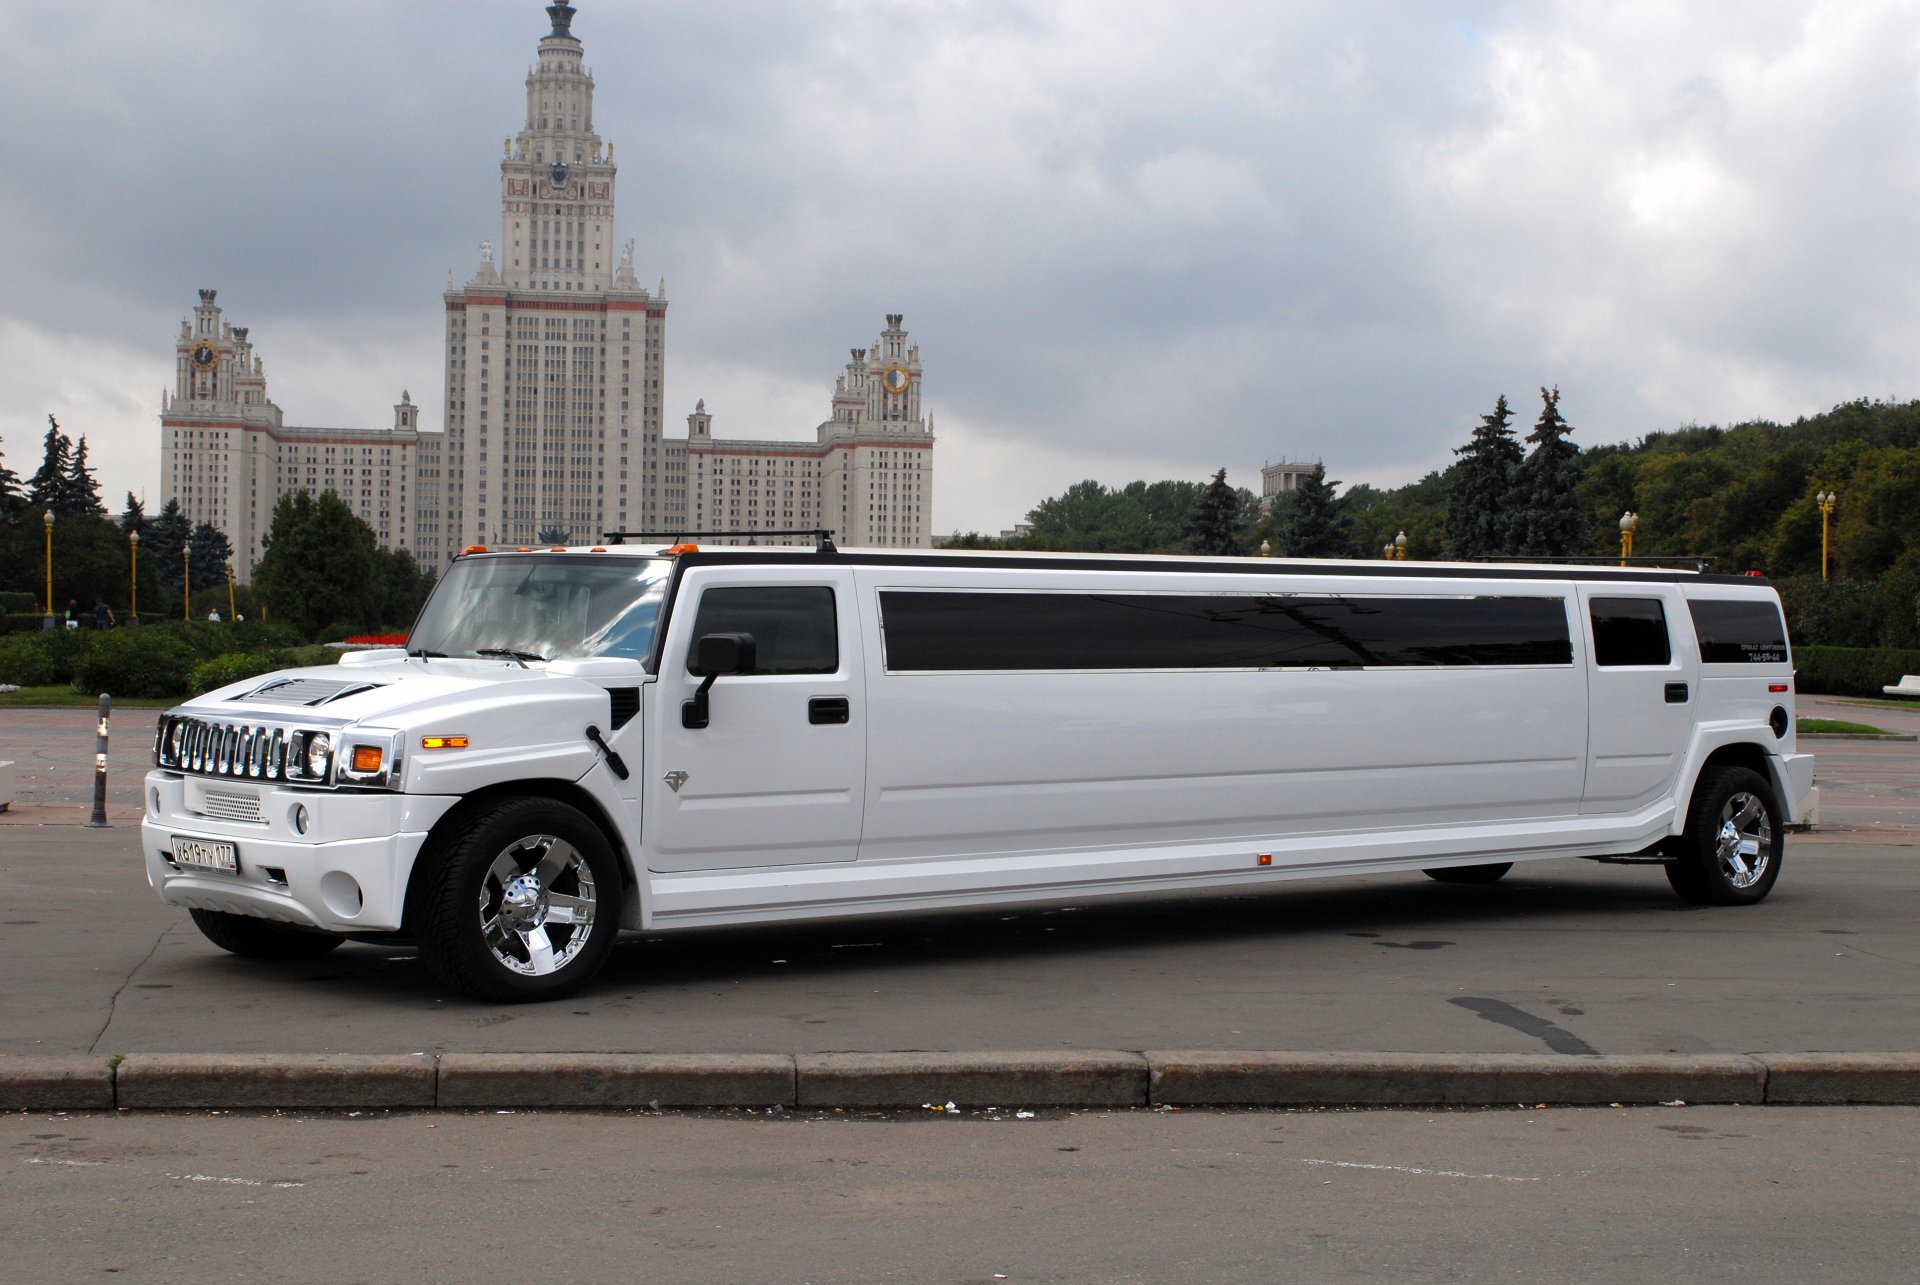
(556, 182)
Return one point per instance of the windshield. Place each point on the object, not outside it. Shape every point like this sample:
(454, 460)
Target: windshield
(544, 607)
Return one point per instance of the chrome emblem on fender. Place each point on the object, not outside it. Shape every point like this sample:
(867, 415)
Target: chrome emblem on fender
(675, 780)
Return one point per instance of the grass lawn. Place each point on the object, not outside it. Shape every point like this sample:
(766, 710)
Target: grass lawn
(1839, 725)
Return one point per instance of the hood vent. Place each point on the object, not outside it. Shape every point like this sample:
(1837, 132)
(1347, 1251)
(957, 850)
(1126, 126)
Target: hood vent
(307, 691)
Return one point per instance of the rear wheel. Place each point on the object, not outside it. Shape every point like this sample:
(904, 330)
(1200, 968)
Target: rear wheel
(1730, 852)
(1469, 874)
(253, 938)
(521, 902)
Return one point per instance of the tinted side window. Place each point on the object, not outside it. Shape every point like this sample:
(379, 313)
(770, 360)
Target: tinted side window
(1630, 631)
(793, 626)
(928, 630)
(1739, 631)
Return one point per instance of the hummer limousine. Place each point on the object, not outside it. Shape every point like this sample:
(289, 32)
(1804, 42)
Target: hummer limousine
(647, 735)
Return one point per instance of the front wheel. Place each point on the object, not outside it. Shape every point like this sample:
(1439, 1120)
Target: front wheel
(252, 938)
(1730, 852)
(521, 902)
(1469, 874)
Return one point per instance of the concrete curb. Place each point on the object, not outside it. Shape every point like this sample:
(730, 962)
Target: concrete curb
(1087, 1079)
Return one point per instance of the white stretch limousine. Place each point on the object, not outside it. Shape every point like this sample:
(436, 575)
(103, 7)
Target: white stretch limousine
(576, 741)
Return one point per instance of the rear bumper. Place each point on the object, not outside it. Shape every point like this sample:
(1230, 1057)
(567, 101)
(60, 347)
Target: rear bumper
(1792, 779)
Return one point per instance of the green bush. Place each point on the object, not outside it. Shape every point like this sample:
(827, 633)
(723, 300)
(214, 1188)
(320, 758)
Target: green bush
(233, 667)
(1852, 671)
(26, 660)
(19, 602)
(135, 662)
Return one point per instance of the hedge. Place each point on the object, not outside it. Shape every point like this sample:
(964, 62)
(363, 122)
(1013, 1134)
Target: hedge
(1852, 671)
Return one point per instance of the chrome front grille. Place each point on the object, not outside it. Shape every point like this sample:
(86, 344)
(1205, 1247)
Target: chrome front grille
(214, 747)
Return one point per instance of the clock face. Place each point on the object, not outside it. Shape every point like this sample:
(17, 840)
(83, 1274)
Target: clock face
(203, 355)
(894, 380)
(558, 174)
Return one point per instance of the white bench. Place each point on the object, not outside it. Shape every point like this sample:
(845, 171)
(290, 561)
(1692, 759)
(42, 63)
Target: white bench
(1909, 685)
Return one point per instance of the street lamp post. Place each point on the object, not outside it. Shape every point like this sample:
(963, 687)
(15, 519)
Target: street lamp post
(1825, 500)
(230, 612)
(48, 519)
(1400, 547)
(133, 575)
(186, 583)
(1629, 523)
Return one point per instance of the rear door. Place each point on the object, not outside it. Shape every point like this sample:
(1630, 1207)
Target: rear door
(778, 774)
(1643, 684)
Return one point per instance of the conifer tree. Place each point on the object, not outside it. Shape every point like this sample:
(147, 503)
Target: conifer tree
(1317, 524)
(80, 489)
(1548, 519)
(1480, 488)
(1213, 525)
(11, 498)
(48, 486)
(162, 539)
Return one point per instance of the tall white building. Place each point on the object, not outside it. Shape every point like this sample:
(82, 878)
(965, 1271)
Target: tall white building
(555, 359)
(227, 455)
(554, 371)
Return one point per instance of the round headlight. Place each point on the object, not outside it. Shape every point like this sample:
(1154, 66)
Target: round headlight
(319, 749)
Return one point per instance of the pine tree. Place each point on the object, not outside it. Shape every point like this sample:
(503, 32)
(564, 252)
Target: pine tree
(1548, 519)
(134, 517)
(11, 499)
(211, 551)
(1213, 524)
(1317, 525)
(80, 489)
(1480, 488)
(48, 486)
(162, 539)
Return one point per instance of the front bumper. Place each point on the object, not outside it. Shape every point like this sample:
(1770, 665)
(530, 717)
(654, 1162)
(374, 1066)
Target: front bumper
(346, 871)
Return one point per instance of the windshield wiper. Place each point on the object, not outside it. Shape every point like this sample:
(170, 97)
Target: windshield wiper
(522, 656)
(424, 654)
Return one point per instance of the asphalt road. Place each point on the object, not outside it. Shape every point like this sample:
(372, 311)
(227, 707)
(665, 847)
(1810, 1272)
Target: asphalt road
(1756, 1194)
(1566, 957)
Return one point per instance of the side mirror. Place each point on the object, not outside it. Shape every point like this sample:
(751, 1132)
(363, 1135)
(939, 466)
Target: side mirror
(714, 655)
(717, 654)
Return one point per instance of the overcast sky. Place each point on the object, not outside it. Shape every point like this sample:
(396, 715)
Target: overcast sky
(1131, 239)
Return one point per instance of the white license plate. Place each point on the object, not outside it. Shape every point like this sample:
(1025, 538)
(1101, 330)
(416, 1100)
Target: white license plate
(206, 854)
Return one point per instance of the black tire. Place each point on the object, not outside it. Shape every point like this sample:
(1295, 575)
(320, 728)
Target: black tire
(253, 938)
(489, 912)
(1469, 874)
(1731, 851)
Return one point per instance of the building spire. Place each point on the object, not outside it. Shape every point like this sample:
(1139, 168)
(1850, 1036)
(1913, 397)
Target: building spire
(562, 15)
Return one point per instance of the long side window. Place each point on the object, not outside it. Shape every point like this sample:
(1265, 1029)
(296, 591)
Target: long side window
(929, 630)
(1739, 631)
(1630, 631)
(793, 626)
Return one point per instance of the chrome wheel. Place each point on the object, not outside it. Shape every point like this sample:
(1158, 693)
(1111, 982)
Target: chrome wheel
(1744, 843)
(536, 905)
(518, 899)
(1731, 850)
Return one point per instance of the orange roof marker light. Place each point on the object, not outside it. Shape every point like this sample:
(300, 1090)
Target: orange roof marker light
(473, 548)
(443, 742)
(683, 548)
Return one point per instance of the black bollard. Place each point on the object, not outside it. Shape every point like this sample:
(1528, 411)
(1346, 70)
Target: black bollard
(99, 818)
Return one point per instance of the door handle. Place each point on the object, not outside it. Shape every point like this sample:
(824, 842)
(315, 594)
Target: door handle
(829, 709)
(1676, 693)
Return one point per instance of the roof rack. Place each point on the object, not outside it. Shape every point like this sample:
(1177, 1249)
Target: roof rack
(1699, 562)
(822, 538)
